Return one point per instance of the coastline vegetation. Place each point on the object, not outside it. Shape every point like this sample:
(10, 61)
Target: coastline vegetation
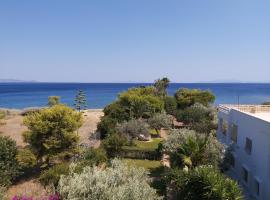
(152, 145)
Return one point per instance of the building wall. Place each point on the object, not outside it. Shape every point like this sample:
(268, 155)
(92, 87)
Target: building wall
(258, 162)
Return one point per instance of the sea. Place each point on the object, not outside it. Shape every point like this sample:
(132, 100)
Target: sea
(24, 95)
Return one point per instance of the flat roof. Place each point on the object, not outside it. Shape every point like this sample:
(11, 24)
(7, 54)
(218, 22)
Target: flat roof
(258, 111)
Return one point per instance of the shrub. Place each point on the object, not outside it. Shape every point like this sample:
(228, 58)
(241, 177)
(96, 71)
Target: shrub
(135, 128)
(9, 168)
(203, 183)
(52, 131)
(26, 158)
(51, 176)
(170, 105)
(198, 117)
(2, 192)
(2, 114)
(94, 157)
(53, 100)
(113, 144)
(106, 126)
(190, 149)
(119, 181)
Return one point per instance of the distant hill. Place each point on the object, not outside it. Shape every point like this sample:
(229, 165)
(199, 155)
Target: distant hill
(15, 81)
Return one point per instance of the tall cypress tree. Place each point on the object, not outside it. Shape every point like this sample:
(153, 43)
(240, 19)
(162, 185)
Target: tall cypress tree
(80, 100)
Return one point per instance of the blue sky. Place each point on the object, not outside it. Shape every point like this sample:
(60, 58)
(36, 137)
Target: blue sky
(135, 40)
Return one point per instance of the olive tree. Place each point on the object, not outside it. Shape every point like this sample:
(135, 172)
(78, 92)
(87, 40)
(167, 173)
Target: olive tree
(135, 128)
(118, 181)
(52, 131)
(160, 120)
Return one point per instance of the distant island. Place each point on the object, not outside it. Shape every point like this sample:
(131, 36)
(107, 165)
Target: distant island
(16, 81)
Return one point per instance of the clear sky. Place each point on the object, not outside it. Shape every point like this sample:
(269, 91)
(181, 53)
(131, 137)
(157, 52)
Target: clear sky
(135, 40)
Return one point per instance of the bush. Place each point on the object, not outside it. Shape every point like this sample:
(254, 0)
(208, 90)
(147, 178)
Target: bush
(203, 183)
(190, 149)
(2, 192)
(113, 144)
(2, 114)
(9, 168)
(94, 157)
(106, 126)
(26, 158)
(119, 181)
(198, 117)
(170, 105)
(53, 100)
(51, 176)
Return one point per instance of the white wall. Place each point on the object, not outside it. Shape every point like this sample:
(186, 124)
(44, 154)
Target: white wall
(258, 162)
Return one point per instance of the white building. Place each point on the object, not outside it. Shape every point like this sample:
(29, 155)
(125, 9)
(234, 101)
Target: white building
(247, 129)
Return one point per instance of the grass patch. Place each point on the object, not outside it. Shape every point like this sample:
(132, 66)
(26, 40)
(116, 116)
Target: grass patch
(144, 145)
(156, 170)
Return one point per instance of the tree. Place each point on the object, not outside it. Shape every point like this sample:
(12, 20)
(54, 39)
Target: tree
(198, 117)
(118, 181)
(190, 149)
(106, 126)
(188, 97)
(113, 144)
(53, 100)
(135, 128)
(9, 168)
(160, 120)
(80, 100)
(170, 105)
(204, 183)
(52, 131)
(161, 86)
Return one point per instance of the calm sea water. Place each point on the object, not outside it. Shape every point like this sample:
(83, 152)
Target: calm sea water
(22, 95)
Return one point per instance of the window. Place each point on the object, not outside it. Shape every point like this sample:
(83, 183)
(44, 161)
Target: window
(234, 133)
(257, 187)
(248, 146)
(245, 174)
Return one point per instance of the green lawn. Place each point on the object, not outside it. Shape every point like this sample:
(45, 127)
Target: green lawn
(143, 145)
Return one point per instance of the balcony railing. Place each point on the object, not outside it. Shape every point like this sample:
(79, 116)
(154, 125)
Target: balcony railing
(246, 108)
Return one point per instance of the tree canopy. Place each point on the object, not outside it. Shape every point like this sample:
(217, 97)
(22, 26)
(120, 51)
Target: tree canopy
(52, 130)
(188, 97)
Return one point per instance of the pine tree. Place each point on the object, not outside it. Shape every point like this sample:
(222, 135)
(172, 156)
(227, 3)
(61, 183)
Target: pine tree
(80, 100)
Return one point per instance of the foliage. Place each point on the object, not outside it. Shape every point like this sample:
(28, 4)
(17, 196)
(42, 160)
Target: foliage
(188, 97)
(29, 111)
(52, 131)
(204, 183)
(118, 181)
(53, 100)
(160, 120)
(93, 156)
(106, 126)
(190, 149)
(116, 111)
(26, 158)
(170, 105)
(135, 128)
(9, 168)
(2, 192)
(51, 176)
(24, 197)
(141, 102)
(2, 114)
(161, 86)
(80, 100)
(266, 103)
(198, 117)
(113, 144)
